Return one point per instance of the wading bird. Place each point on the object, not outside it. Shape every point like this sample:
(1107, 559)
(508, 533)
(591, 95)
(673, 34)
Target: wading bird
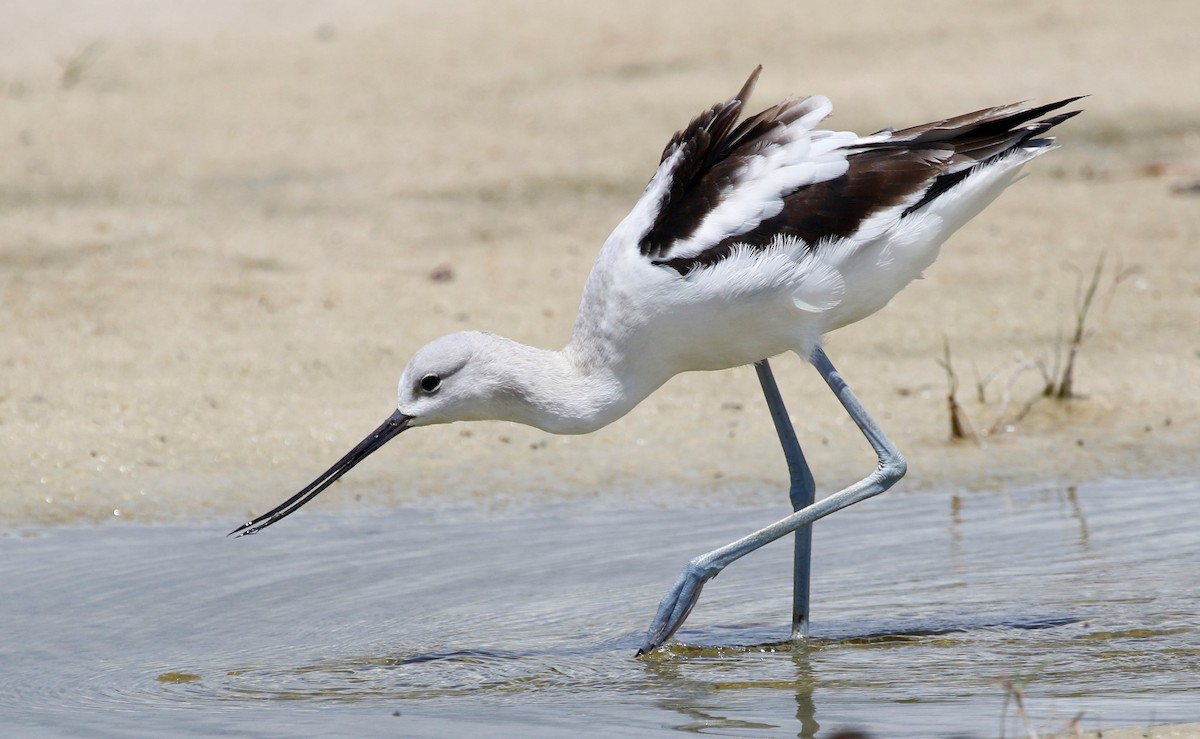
(752, 239)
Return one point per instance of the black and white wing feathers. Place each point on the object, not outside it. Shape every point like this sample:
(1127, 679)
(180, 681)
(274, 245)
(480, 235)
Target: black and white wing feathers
(722, 186)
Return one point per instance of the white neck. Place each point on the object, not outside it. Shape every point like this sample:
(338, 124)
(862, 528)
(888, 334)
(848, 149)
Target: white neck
(564, 392)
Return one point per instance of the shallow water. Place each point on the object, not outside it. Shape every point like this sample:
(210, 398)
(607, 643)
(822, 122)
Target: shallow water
(454, 624)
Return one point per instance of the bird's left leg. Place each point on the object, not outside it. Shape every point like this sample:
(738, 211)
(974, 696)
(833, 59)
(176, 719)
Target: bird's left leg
(803, 493)
(678, 603)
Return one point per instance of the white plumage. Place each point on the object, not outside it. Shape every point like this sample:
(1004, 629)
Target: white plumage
(750, 240)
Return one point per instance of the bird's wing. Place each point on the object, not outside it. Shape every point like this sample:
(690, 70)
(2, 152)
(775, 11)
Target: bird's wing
(722, 186)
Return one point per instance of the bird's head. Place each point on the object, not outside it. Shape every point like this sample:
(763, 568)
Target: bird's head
(456, 378)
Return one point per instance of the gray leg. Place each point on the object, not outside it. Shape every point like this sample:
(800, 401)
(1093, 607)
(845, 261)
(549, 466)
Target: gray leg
(803, 493)
(678, 603)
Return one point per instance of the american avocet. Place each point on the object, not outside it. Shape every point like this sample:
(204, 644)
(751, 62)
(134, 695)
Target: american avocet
(750, 240)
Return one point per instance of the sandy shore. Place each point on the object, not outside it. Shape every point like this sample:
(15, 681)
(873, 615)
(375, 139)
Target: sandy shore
(222, 234)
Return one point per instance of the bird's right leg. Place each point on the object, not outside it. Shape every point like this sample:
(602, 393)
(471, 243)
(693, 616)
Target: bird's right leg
(803, 493)
(678, 603)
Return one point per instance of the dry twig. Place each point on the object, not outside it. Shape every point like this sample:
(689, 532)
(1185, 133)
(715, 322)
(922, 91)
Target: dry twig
(960, 425)
(1066, 382)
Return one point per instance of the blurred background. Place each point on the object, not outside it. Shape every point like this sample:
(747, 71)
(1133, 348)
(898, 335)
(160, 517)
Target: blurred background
(225, 226)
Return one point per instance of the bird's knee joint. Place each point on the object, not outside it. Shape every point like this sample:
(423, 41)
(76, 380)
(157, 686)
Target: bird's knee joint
(894, 468)
(891, 468)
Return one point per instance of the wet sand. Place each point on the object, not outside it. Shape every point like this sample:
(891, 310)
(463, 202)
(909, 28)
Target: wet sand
(223, 233)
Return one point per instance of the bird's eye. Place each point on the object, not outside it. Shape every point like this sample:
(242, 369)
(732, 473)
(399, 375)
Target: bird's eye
(430, 383)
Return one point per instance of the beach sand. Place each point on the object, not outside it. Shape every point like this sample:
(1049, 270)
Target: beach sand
(224, 231)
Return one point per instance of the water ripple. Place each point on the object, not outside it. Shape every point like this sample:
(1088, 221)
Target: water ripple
(926, 605)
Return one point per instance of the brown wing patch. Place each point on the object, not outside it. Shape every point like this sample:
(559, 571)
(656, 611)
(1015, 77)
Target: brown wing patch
(834, 208)
(914, 165)
(692, 194)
